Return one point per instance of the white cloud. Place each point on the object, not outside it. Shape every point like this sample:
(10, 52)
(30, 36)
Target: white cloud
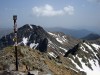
(48, 10)
(69, 10)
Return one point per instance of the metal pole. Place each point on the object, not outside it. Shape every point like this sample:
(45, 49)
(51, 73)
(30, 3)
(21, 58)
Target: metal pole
(15, 40)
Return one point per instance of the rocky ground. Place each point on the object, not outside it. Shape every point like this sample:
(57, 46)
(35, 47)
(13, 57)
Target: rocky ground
(32, 60)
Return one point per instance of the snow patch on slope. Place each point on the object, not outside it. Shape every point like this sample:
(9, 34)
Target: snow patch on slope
(34, 45)
(94, 65)
(83, 48)
(31, 27)
(50, 44)
(60, 39)
(55, 48)
(97, 47)
(63, 49)
(64, 39)
(89, 47)
(52, 54)
(52, 34)
(77, 66)
(25, 41)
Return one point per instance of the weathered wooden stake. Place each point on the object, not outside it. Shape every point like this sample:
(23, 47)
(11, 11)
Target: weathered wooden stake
(15, 40)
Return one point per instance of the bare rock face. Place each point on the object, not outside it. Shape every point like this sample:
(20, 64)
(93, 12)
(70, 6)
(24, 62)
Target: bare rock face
(30, 35)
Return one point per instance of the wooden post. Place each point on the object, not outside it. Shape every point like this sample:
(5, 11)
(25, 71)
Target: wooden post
(15, 40)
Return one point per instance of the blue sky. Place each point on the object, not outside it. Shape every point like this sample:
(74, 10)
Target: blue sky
(73, 14)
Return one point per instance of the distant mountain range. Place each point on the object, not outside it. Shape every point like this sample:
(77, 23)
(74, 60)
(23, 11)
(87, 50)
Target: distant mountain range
(91, 36)
(73, 32)
(53, 53)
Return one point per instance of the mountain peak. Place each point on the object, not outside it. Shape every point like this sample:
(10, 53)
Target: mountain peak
(30, 26)
(30, 35)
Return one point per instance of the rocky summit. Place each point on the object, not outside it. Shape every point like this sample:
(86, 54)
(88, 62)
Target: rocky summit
(49, 53)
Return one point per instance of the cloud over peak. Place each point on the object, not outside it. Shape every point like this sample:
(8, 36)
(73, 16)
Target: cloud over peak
(48, 10)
